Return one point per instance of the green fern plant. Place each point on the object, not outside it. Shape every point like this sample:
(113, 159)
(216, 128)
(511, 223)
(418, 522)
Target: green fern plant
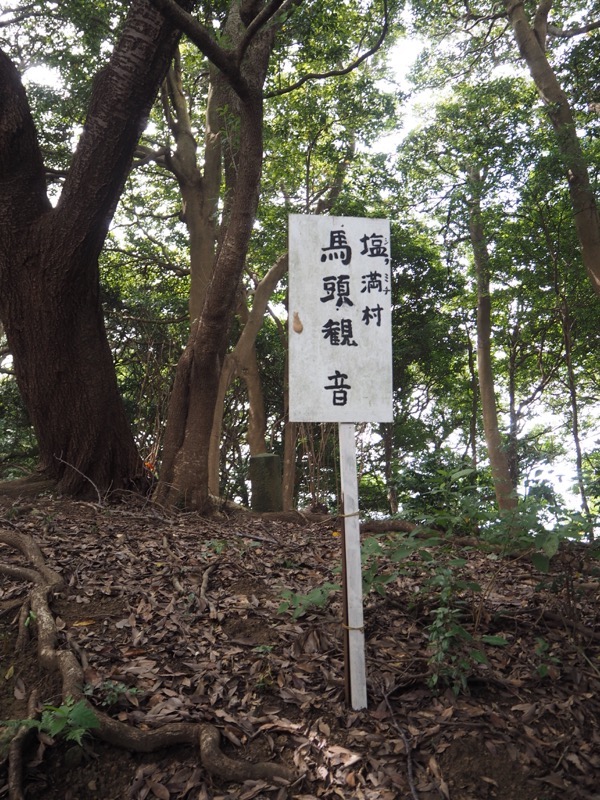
(71, 721)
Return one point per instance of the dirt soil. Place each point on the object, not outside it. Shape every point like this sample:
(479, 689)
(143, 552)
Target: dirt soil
(177, 618)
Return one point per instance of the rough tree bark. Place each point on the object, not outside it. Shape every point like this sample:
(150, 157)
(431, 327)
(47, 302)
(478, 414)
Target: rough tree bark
(531, 40)
(503, 486)
(49, 288)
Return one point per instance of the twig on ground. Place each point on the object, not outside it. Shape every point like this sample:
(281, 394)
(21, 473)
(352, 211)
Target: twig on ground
(407, 747)
(256, 538)
(83, 475)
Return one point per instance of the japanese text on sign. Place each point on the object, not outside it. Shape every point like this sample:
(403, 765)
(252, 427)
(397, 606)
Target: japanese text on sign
(340, 293)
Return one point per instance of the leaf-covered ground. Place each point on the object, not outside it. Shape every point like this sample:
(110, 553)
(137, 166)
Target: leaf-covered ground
(176, 618)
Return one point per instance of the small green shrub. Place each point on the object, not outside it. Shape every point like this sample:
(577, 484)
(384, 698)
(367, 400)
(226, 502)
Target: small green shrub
(110, 693)
(299, 604)
(71, 721)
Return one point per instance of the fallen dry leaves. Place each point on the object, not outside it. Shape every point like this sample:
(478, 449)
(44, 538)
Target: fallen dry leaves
(175, 618)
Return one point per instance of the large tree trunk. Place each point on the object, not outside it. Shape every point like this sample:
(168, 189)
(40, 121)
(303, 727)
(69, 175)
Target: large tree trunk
(49, 293)
(532, 46)
(184, 473)
(64, 369)
(503, 486)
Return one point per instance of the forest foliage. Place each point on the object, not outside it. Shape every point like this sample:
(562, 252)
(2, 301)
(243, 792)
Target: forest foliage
(476, 186)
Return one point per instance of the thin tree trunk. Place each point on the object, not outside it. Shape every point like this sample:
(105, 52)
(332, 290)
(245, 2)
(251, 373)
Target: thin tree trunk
(200, 188)
(290, 438)
(474, 384)
(532, 46)
(255, 436)
(290, 444)
(567, 326)
(242, 361)
(503, 486)
(386, 431)
(513, 414)
(567, 322)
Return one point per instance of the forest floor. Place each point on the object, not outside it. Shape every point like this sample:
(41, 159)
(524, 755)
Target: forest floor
(175, 617)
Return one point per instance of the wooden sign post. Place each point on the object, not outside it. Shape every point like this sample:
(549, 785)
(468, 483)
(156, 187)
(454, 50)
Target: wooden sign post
(340, 368)
(354, 633)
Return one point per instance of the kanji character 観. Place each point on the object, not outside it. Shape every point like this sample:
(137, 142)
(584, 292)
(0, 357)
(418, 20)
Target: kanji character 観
(339, 332)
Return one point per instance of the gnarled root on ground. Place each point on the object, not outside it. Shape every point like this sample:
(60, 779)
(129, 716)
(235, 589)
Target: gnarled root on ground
(46, 582)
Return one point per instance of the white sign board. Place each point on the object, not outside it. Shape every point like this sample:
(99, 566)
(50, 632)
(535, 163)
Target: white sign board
(340, 341)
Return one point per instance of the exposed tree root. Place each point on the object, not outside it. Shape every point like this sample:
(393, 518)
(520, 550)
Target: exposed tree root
(10, 605)
(15, 754)
(47, 582)
(23, 636)
(28, 486)
(304, 517)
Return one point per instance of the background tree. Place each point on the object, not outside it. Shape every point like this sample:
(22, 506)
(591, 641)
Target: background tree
(468, 166)
(185, 472)
(479, 35)
(172, 223)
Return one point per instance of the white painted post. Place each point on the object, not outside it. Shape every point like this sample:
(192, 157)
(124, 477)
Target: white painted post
(340, 368)
(355, 633)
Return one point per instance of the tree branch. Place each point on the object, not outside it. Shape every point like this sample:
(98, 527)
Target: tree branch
(19, 15)
(145, 155)
(540, 22)
(259, 21)
(223, 59)
(568, 34)
(319, 76)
